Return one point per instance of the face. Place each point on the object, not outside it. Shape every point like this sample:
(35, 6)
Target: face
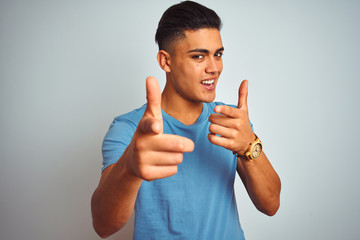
(195, 65)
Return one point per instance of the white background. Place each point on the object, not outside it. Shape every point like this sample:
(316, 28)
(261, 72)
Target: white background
(67, 68)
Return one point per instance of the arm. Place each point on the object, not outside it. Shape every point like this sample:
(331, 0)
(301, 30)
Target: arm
(150, 155)
(113, 201)
(261, 182)
(231, 129)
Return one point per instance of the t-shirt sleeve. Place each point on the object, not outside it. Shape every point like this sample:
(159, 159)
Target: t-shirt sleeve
(116, 141)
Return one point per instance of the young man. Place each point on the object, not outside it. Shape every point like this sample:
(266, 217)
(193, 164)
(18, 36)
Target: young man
(175, 159)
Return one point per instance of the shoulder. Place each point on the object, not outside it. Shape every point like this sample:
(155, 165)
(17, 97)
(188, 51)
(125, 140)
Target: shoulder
(133, 117)
(125, 123)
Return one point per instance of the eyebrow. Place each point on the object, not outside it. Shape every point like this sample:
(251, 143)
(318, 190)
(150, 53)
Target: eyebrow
(204, 50)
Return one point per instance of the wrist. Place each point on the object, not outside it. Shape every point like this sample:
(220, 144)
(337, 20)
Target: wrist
(253, 150)
(126, 167)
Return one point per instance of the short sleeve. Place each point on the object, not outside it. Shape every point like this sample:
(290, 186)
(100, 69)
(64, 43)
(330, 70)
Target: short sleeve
(116, 141)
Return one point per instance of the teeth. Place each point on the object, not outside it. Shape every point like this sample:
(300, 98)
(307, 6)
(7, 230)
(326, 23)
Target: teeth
(208, 82)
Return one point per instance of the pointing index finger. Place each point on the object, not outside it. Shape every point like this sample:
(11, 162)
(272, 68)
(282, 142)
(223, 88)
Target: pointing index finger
(171, 143)
(228, 111)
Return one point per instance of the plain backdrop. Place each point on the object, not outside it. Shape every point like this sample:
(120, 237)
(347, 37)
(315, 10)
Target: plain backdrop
(67, 68)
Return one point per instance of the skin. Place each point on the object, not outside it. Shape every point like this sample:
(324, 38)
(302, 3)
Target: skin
(259, 177)
(153, 155)
(195, 58)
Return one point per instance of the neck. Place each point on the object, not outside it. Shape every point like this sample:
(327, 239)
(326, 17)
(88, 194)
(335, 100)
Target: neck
(183, 110)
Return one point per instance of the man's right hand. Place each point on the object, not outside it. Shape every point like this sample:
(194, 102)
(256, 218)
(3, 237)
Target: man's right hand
(151, 154)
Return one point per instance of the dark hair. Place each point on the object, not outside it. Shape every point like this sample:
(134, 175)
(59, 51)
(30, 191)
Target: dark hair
(183, 16)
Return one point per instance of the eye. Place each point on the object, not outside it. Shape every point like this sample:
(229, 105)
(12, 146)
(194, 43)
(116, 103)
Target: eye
(219, 54)
(197, 56)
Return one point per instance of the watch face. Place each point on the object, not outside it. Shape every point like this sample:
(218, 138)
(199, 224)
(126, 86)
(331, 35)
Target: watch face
(256, 150)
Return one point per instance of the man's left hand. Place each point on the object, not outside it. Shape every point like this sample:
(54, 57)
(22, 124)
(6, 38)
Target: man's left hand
(230, 126)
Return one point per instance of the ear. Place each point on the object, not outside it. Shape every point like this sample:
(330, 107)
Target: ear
(163, 58)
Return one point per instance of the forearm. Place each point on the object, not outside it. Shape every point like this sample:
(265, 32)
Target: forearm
(261, 182)
(113, 201)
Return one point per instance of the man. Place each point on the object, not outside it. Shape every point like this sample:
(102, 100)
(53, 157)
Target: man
(175, 159)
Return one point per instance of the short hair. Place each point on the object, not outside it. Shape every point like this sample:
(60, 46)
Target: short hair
(183, 16)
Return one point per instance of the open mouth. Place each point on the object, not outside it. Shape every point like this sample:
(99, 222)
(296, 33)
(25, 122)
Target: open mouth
(208, 82)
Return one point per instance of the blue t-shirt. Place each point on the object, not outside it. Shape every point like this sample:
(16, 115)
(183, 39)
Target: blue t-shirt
(196, 203)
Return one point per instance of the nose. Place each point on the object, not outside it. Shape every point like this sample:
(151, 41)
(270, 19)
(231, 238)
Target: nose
(213, 65)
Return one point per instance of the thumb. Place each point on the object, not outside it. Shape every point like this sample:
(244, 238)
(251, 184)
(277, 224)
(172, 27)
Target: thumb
(243, 93)
(152, 120)
(153, 97)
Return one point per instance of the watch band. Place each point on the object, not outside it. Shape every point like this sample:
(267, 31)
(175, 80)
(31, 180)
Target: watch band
(253, 151)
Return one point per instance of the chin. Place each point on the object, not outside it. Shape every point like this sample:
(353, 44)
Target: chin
(209, 99)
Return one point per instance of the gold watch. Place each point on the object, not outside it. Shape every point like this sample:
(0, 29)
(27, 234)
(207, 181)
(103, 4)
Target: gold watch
(254, 150)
